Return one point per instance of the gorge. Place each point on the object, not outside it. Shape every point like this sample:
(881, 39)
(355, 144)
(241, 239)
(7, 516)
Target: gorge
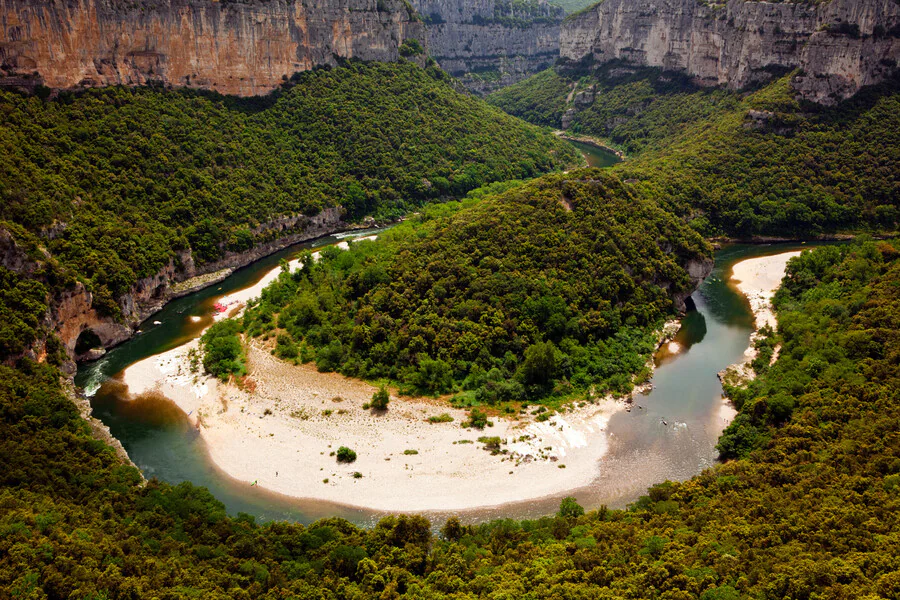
(500, 373)
(493, 43)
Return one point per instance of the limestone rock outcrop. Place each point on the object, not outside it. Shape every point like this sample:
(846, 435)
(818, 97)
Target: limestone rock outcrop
(489, 44)
(241, 48)
(73, 314)
(72, 311)
(838, 46)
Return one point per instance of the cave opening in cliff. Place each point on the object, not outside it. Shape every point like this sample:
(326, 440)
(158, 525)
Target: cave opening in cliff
(87, 340)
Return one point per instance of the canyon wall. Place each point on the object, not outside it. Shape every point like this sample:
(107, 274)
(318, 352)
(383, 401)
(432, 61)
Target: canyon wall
(838, 46)
(72, 312)
(241, 48)
(489, 44)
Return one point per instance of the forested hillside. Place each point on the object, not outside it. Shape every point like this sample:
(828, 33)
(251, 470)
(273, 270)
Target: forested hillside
(547, 287)
(500, 290)
(760, 163)
(115, 180)
(810, 510)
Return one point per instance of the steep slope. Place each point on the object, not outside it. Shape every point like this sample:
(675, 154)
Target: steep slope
(241, 48)
(491, 43)
(631, 107)
(771, 165)
(751, 164)
(838, 45)
(136, 189)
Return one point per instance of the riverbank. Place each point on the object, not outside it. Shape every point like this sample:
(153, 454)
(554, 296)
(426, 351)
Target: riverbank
(757, 279)
(235, 302)
(279, 429)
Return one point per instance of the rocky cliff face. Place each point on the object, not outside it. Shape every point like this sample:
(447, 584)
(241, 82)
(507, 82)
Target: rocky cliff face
(72, 312)
(489, 44)
(242, 48)
(839, 46)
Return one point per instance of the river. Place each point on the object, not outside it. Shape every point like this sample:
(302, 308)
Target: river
(670, 433)
(597, 156)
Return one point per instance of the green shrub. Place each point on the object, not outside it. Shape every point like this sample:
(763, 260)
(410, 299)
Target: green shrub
(477, 419)
(411, 47)
(223, 354)
(345, 455)
(380, 399)
(491, 443)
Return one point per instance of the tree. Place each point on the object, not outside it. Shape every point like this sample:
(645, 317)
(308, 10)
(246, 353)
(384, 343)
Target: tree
(540, 363)
(380, 399)
(453, 530)
(432, 376)
(223, 354)
(570, 509)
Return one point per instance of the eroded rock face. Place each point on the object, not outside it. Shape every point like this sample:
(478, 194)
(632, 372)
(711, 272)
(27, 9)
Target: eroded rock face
(839, 46)
(72, 311)
(698, 270)
(489, 44)
(240, 48)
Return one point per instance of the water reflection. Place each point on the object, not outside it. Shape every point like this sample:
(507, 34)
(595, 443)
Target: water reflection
(597, 156)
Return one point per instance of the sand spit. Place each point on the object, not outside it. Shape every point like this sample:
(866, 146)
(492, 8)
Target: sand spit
(280, 431)
(758, 279)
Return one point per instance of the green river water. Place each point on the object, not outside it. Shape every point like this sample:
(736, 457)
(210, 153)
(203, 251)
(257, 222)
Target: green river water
(597, 156)
(669, 434)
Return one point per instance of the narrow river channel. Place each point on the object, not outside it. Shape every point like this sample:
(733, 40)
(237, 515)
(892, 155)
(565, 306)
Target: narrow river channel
(596, 156)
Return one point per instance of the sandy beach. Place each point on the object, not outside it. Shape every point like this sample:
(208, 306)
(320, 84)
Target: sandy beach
(758, 279)
(281, 435)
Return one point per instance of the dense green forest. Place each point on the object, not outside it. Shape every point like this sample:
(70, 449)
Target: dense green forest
(117, 179)
(808, 510)
(520, 292)
(756, 163)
